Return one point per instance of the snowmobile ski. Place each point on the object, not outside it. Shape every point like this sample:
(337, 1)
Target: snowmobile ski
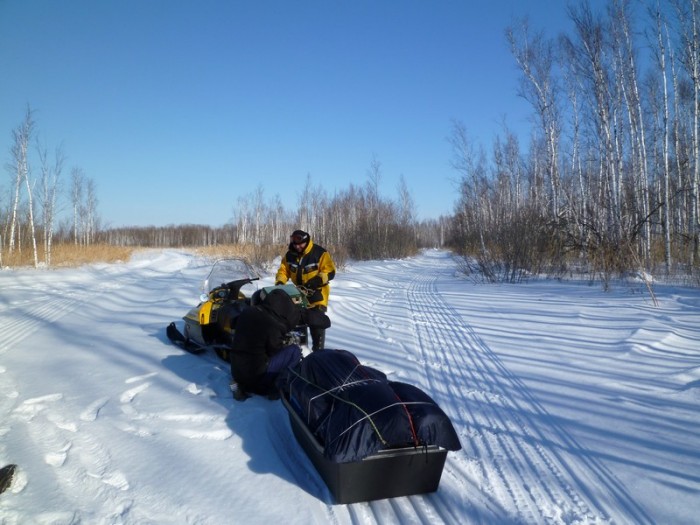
(176, 337)
(7, 473)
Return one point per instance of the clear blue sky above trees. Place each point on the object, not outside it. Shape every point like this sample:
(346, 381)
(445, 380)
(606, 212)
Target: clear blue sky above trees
(178, 109)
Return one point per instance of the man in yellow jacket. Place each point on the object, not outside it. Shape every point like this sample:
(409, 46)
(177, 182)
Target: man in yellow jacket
(311, 266)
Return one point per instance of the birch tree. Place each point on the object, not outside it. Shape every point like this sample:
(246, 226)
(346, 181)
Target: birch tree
(535, 57)
(688, 14)
(665, 140)
(91, 220)
(305, 207)
(48, 197)
(21, 136)
(242, 219)
(622, 35)
(30, 215)
(592, 62)
(76, 196)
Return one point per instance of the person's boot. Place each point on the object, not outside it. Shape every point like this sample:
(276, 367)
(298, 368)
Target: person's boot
(238, 393)
(318, 339)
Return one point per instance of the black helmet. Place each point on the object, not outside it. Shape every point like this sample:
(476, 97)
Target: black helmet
(299, 237)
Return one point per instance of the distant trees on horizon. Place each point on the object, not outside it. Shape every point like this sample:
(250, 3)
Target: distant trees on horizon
(356, 223)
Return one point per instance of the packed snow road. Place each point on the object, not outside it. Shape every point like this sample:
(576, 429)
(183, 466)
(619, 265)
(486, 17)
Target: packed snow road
(572, 405)
(503, 462)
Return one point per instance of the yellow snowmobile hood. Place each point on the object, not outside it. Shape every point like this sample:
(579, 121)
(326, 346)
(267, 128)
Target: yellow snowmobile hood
(201, 314)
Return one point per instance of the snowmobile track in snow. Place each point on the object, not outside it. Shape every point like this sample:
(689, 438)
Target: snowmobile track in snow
(46, 304)
(511, 449)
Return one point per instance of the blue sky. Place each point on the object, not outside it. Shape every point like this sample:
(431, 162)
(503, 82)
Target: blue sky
(178, 108)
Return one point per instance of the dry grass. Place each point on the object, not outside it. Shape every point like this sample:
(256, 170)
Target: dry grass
(256, 255)
(262, 256)
(71, 255)
(68, 255)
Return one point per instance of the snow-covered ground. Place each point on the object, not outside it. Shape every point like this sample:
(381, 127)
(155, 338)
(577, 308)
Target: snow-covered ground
(572, 405)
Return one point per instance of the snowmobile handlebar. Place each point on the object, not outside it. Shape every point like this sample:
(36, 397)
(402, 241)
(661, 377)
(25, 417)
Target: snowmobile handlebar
(231, 289)
(234, 285)
(308, 292)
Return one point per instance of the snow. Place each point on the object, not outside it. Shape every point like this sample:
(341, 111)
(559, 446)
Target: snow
(573, 405)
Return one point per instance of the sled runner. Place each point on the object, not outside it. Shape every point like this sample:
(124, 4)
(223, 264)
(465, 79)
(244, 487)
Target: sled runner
(369, 438)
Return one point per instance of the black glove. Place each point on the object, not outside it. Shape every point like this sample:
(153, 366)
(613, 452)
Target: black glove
(315, 318)
(314, 282)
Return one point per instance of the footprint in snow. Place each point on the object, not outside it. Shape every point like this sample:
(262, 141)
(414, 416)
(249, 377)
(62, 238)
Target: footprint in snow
(129, 395)
(58, 457)
(62, 423)
(29, 408)
(114, 479)
(93, 409)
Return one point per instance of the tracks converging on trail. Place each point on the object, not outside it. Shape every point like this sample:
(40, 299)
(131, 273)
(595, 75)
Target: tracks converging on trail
(512, 463)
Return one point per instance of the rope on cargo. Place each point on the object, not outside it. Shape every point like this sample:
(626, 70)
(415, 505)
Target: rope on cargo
(366, 415)
(369, 418)
(354, 405)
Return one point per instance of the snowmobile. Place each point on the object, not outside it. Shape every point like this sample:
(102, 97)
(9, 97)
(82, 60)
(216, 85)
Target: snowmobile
(229, 288)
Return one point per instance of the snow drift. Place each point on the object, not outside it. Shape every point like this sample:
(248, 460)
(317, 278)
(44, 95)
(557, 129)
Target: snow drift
(572, 405)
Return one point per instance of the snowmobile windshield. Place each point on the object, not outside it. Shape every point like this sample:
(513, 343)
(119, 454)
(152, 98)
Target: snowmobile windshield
(227, 270)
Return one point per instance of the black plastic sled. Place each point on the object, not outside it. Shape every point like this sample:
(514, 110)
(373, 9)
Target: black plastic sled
(369, 438)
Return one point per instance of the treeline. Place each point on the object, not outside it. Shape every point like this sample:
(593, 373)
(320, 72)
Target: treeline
(609, 179)
(358, 223)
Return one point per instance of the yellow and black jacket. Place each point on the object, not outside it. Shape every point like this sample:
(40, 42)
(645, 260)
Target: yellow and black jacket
(312, 268)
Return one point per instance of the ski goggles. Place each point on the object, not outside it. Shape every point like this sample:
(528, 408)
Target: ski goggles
(299, 239)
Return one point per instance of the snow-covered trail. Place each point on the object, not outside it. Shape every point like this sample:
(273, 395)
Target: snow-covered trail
(572, 406)
(510, 466)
